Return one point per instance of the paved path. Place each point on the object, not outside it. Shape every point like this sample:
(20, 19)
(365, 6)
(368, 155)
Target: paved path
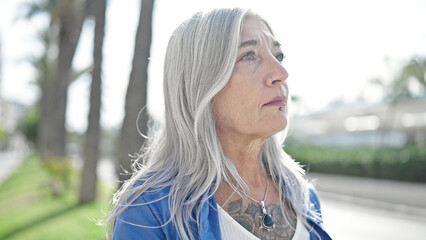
(106, 172)
(353, 221)
(403, 197)
(12, 157)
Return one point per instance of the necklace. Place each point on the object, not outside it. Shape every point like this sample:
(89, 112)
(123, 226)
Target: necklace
(266, 220)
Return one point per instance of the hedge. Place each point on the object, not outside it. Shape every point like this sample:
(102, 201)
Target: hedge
(404, 164)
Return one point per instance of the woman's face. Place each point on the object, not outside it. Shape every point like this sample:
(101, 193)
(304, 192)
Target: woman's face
(254, 102)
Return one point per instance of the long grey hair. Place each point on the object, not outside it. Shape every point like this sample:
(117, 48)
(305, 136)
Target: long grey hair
(186, 155)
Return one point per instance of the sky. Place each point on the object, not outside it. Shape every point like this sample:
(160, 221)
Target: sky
(333, 49)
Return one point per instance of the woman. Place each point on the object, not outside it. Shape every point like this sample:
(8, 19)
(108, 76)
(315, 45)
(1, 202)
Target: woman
(217, 169)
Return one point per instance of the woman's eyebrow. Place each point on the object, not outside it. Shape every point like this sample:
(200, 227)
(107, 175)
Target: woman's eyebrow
(254, 43)
(248, 43)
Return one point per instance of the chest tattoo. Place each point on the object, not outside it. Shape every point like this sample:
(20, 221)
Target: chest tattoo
(248, 215)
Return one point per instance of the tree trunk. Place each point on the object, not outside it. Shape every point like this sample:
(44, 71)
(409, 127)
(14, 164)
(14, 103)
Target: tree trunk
(71, 14)
(88, 188)
(136, 97)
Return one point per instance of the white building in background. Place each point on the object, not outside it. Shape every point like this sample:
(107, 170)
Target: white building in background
(363, 125)
(10, 114)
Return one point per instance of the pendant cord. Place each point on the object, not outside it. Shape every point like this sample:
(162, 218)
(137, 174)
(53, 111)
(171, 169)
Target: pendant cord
(266, 194)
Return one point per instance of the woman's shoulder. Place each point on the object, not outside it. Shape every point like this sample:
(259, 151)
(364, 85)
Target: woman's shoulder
(149, 193)
(142, 196)
(143, 212)
(314, 204)
(315, 215)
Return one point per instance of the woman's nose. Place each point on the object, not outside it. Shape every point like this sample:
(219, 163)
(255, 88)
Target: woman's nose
(277, 74)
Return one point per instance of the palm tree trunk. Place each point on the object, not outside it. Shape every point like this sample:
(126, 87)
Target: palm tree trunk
(52, 130)
(136, 97)
(88, 188)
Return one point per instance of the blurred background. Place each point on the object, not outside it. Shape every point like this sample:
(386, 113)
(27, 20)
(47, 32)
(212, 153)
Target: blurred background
(74, 75)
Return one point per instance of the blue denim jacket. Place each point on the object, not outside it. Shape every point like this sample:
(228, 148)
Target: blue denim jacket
(154, 219)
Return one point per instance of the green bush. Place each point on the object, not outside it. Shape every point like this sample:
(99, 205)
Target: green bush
(60, 172)
(29, 124)
(405, 164)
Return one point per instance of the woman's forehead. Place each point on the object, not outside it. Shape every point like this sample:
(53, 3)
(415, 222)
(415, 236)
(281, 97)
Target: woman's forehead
(255, 32)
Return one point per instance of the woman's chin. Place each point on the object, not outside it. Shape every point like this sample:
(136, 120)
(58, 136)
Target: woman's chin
(277, 125)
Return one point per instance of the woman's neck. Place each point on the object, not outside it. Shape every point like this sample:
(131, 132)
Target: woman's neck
(246, 156)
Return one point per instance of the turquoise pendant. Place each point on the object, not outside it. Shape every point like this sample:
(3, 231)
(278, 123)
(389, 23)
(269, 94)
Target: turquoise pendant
(267, 222)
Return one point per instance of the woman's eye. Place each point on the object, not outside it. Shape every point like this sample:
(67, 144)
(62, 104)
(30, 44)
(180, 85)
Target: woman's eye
(250, 56)
(280, 57)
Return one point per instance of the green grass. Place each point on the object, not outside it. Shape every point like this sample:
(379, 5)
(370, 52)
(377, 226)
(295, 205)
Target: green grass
(28, 210)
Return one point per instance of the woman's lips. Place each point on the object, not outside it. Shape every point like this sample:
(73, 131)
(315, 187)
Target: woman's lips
(277, 101)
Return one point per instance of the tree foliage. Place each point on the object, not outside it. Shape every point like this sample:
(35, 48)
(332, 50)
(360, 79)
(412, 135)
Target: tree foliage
(415, 68)
(398, 89)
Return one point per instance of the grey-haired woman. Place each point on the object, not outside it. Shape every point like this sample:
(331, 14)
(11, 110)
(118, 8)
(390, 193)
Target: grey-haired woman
(217, 169)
